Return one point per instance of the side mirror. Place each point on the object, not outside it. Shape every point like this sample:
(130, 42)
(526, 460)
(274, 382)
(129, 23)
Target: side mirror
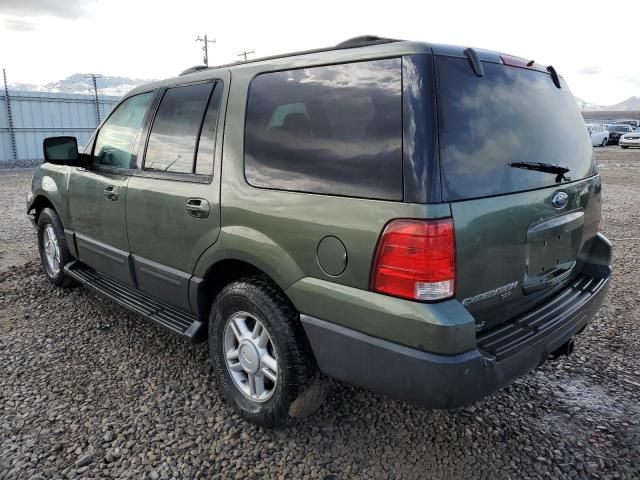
(63, 151)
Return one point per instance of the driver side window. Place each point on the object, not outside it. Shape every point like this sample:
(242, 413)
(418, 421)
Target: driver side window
(119, 134)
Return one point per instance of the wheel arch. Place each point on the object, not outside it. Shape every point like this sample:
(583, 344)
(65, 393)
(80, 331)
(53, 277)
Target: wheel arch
(39, 203)
(203, 290)
(240, 251)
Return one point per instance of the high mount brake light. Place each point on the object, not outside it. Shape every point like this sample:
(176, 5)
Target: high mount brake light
(415, 259)
(513, 61)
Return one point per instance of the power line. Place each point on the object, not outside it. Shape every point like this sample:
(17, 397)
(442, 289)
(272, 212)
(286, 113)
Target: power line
(206, 42)
(93, 77)
(245, 53)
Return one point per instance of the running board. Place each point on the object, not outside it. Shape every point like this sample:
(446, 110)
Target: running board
(175, 320)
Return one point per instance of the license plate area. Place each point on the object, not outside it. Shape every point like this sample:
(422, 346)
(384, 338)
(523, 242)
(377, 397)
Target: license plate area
(552, 248)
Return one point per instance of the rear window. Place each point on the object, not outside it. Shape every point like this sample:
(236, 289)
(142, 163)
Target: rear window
(509, 115)
(333, 130)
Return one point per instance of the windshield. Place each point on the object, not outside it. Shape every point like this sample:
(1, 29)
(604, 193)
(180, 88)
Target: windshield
(618, 128)
(509, 115)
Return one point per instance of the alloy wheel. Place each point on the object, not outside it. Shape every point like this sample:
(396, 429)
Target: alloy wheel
(51, 250)
(250, 356)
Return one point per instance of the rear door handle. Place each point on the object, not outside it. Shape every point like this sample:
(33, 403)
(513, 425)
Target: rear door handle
(197, 207)
(111, 192)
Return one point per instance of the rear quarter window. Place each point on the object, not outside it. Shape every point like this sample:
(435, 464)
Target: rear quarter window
(333, 129)
(508, 115)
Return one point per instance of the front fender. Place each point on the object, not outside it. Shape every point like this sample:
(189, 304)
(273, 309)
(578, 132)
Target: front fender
(50, 184)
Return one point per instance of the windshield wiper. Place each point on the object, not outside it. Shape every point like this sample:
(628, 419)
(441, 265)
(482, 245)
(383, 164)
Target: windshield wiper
(544, 167)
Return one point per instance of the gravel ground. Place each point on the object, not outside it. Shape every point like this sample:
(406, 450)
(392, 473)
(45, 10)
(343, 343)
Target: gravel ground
(88, 390)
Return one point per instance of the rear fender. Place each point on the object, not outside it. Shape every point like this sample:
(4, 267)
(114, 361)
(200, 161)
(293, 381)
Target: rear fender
(255, 248)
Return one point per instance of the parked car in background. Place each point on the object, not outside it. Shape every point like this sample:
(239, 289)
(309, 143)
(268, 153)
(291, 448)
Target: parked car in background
(631, 139)
(599, 135)
(616, 131)
(634, 124)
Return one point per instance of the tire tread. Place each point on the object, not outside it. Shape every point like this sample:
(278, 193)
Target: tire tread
(299, 361)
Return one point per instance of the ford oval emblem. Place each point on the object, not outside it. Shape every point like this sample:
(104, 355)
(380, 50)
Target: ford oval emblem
(559, 199)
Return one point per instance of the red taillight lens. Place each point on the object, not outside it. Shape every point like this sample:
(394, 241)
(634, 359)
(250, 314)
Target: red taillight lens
(416, 259)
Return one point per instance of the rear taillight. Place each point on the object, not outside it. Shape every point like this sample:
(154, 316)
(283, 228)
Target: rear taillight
(416, 259)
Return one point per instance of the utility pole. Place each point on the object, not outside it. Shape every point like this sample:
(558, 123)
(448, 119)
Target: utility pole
(245, 53)
(93, 77)
(206, 42)
(12, 134)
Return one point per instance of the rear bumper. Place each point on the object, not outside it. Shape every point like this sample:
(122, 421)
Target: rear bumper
(449, 381)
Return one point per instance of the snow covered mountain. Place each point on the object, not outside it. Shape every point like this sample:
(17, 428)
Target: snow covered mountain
(77, 83)
(631, 103)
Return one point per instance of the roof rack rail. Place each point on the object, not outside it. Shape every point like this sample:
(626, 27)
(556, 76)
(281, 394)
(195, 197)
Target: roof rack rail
(364, 40)
(196, 68)
(474, 61)
(554, 76)
(361, 41)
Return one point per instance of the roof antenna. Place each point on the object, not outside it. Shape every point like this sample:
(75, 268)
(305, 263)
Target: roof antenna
(474, 60)
(531, 63)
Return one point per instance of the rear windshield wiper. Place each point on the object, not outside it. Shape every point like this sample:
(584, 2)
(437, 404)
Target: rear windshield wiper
(544, 167)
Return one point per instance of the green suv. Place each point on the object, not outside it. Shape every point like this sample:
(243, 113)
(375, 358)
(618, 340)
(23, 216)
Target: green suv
(420, 220)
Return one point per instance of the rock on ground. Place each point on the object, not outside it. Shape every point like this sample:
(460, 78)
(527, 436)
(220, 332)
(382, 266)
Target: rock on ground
(79, 374)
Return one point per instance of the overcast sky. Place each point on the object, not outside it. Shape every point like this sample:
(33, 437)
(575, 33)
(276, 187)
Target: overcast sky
(592, 46)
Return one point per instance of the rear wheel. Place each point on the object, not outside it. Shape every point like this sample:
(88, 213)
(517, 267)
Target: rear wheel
(259, 351)
(54, 253)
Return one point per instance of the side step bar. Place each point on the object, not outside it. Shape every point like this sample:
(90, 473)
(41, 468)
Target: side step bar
(177, 321)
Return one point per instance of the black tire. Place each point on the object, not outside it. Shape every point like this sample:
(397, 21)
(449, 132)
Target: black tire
(605, 142)
(297, 369)
(622, 146)
(48, 217)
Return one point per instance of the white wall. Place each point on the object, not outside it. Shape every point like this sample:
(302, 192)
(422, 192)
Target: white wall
(37, 115)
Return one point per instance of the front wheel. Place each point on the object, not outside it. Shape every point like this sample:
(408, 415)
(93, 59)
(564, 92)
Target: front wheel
(54, 253)
(259, 351)
(604, 142)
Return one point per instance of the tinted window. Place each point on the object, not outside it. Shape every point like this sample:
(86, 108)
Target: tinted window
(172, 142)
(334, 130)
(118, 136)
(509, 115)
(207, 143)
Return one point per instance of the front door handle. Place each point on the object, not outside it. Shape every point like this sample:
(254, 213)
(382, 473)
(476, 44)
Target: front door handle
(111, 192)
(197, 207)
